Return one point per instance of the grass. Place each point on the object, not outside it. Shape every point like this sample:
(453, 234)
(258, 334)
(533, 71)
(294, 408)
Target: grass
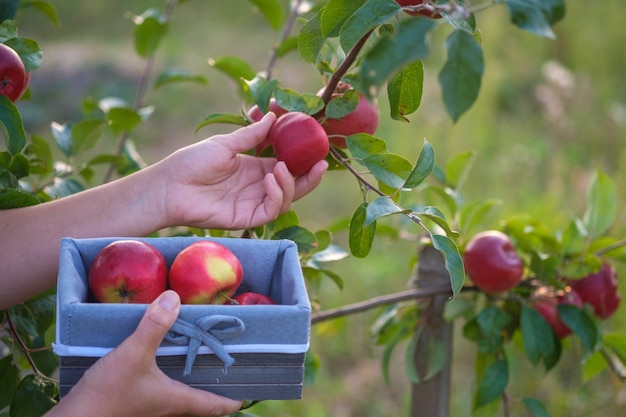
(550, 112)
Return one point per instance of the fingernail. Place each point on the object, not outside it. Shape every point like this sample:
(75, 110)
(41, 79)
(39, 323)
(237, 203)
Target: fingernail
(169, 300)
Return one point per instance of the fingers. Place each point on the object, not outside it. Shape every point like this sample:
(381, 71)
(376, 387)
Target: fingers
(203, 403)
(155, 323)
(248, 137)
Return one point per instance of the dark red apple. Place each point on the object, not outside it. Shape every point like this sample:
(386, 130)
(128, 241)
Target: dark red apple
(300, 141)
(13, 77)
(253, 298)
(364, 119)
(492, 262)
(128, 271)
(546, 304)
(599, 290)
(205, 272)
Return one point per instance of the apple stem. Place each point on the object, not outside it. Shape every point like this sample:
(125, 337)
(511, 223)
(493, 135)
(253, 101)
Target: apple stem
(228, 298)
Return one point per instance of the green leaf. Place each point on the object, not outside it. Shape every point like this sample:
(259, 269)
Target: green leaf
(28, 50)
(261, 91)
(404, 90)
(458, 168)
(363, 145)
(492, 384)
(574, 238)
(85, 135)
(9, 379)
(122, 119)
(234, 67)
(150, 28)
(63, 188)
(370, 15)
(388, 168)
(305, 240)
(437, 217)
(616, 342)
(536, 407)
(335, 14)
(310, 39)
(342, 105)
(433, 350)
(131, 160)
(8, 9)
(453, 260)
(294, 101)
(531, 16)
(175, 75)
(460, 77)
(581, 324)
(34, 396)
(16, 198)
(601, 205)
(10, 118)
(47, 9)
(540, 342)
(216, 118)
(381, 207)
(272, 10)
(391, 53)
(423, 167)
(361, 236)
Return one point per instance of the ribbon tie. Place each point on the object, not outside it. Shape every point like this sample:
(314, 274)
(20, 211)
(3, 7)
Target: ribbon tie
(209, 331)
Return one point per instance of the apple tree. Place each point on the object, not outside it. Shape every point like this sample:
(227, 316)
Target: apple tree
(364, 51)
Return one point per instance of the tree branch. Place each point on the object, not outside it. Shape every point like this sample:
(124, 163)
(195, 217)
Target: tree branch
(375, 302)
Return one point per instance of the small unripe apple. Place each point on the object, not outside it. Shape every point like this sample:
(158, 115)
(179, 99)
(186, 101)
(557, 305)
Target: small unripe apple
(422, 12)
(546, 304)
(300, 141)
(253, 298)
(205, 272)
(255, 114)
(128, 271)
(13, 76)
(364, 119)
(599, 290)
(492, 263)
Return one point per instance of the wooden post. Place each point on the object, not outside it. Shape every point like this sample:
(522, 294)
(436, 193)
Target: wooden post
(432, 398)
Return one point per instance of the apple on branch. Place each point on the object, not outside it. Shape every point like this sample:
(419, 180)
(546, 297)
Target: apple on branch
(546, 303)
(205, 272)
(128, 271)
(600, 290)
(492, 263)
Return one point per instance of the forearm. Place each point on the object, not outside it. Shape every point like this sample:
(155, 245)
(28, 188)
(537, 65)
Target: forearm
(30, 237)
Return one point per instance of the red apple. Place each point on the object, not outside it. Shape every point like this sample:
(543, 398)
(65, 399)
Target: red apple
(300, 141)
(255, 114)
(364, 119)
(546, 304)
(128, 271)
(492, 263)
(205, 272)
(13, 78)
(421, 12)
(253, 298)
(599, 290)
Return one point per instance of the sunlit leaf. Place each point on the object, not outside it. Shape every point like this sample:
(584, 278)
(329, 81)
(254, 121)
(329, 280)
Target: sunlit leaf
(175, 75)
(370, 15)
(404, 90)
(234, 67)
(150, 28)
(363, 145)
(423, 167)
(310, 39)
(388, 168)
(335, 14)
(460, 77)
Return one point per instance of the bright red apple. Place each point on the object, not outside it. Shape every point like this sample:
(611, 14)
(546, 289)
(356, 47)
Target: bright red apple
(255, 114)
(205, 272)
(300, 141)
(492, 262)
(599, 290)
(364, 119)
(128, 271)
(13, 76)
(422, 12)
(253, 298)
(546, 304)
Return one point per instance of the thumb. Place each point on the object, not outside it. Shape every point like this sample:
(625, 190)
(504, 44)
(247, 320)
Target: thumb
(156, 321)
(248, 137)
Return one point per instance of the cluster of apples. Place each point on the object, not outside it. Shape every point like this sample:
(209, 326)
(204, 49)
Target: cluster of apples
(14, 79)
(493, 265)
(133, 271)
(301, 140)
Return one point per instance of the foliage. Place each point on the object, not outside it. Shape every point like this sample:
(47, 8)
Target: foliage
(380, 51)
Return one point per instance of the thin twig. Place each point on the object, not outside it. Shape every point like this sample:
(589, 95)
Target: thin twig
(291, 20)
(375, 302)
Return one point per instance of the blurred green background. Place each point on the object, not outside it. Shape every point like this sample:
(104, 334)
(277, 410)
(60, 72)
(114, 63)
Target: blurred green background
(550, 112)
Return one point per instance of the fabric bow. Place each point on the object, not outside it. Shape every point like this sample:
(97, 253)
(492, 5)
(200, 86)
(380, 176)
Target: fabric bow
(208, 331)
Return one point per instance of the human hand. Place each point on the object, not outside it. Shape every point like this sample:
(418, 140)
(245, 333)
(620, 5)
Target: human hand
(211, 184)
(127, 381)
